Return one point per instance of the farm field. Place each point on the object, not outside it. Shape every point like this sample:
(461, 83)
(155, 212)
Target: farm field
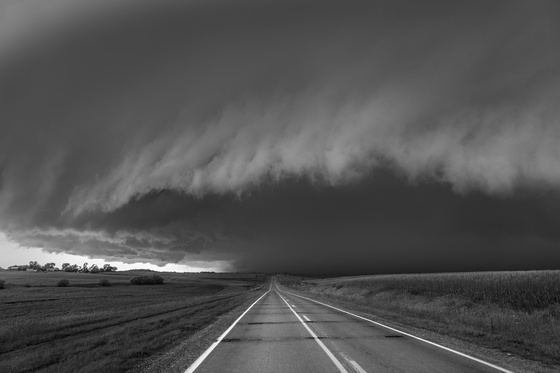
(87, 327)
(513, 312)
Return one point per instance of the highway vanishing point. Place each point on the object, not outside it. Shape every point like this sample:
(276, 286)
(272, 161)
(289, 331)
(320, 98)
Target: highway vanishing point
(286, 332)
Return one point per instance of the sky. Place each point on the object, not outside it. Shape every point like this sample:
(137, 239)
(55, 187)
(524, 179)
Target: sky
(318, 137)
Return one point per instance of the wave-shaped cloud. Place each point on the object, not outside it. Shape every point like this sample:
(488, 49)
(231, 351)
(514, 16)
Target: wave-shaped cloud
(108, 103)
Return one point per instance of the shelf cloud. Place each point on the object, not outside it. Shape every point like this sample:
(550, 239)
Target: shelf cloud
(132, 129)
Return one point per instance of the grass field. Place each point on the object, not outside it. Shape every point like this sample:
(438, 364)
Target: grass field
(516, 312)
(86, 327)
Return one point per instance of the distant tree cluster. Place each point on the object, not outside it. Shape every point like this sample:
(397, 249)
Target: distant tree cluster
(66, 267)
(147, 280)
(94, 268)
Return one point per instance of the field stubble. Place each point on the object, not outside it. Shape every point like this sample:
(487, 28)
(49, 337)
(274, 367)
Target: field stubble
(90, 328)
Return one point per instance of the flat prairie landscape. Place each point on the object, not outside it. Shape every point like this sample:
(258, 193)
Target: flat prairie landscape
(514, 312)
(102, 322)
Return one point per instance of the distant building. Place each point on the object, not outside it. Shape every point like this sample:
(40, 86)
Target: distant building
(13, 268)
(30, 270)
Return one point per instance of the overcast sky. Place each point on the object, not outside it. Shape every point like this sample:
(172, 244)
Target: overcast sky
(328, 137)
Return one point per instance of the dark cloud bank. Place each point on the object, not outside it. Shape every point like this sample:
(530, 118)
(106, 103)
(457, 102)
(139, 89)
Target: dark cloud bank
(319, 137)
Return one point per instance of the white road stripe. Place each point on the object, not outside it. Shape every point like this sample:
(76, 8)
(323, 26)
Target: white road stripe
(306, 318)
(202, 357)
(407, 334)
(354, 365)
(327, 351)
(357, 366)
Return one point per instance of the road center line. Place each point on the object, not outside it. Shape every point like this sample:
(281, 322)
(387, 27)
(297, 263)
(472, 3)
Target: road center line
(357, 366)
(202, 357)
(404, 333)
(306, 318)
(327, 351)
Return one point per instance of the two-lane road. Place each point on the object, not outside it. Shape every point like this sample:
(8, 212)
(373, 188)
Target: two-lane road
(283, 332)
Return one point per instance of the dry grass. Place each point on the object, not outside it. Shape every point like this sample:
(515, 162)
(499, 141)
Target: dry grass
(86, 327)
(517, 312)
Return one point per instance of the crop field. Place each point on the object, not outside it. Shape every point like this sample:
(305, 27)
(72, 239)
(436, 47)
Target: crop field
(88, 327)
(516, 312)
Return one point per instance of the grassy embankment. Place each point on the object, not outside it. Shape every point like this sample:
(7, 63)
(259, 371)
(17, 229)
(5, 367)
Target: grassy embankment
(86, 327)
(516, 312)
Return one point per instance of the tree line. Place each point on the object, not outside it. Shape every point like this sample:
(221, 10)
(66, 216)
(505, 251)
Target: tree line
(66, 267)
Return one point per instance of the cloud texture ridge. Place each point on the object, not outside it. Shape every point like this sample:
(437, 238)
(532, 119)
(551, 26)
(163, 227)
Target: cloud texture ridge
(108, 104)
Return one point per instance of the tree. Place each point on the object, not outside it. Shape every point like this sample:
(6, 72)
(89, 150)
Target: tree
(84, 268)
(109, 268)
(94, 268)
(65, 265)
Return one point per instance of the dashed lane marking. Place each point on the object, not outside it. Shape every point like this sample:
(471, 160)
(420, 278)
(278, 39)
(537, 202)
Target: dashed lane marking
(327, 351)
(404, 333)
(357, 366)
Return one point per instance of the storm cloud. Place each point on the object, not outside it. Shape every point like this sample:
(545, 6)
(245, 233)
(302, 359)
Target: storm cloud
(177, 130)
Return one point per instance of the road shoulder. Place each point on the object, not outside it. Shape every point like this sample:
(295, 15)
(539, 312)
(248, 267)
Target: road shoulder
(406, 324)
(181, 355)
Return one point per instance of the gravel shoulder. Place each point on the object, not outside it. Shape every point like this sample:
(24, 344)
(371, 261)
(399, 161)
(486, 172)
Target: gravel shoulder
(180, 356)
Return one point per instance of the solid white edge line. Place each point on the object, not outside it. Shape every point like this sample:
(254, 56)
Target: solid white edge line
(327, 351)
(407, 334)
(202, 357)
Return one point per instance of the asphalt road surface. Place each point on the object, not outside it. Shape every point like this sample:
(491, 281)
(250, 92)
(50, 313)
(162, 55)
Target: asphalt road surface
(282, 332)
